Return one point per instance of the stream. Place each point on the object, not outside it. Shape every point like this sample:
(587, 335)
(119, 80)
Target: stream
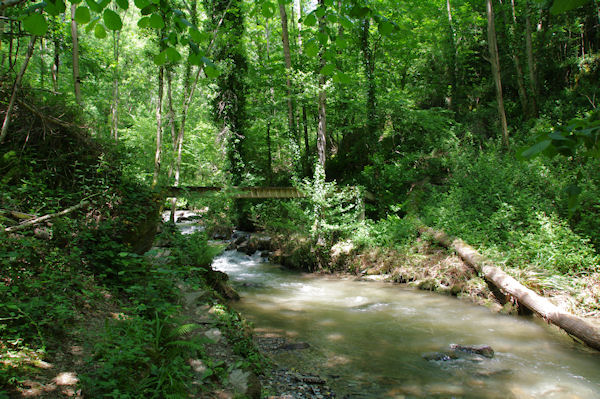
(371, 339)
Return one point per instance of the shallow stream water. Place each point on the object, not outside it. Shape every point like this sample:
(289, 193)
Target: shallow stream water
(369, 339)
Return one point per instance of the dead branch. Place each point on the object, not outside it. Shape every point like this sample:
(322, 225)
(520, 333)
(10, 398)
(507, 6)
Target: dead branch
(32, 222)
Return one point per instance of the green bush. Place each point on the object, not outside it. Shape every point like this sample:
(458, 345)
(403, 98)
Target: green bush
(516, 208)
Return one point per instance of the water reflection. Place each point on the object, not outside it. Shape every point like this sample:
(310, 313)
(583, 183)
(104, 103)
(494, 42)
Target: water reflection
(370, 338)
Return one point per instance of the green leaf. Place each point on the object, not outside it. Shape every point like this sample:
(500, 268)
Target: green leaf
(90, 27)
(555, 135)
(172, 54)
(112, 20)
(186, 22)
(149, 9)
(124, 4)
(198, 36)
(172, 38)
(35, 24)
(311, 49)
(346, 23)
(320, 12)
(99, 31)
(195, 59)
(55, 7)
(536, 149)
(561, 6)
(144, 22)
(161, 58)
(94, 6)
(341, 77)
(386, 27)
(141, 3)
(327, 70)
(211, 71)
(82, 15)
(156, 21)
(359, 12)
(310, 20)
(341, 42)
(322, 38)
(267, 9)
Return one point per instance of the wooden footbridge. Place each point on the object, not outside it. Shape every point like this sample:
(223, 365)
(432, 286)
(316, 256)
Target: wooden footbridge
(239, 192)
(246, 192)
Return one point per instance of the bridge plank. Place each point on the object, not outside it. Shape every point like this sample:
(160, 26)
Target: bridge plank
(239, 192)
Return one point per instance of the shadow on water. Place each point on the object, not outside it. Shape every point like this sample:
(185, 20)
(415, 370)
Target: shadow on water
(374, 340)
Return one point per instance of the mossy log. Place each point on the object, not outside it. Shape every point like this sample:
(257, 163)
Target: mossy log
(573, 325)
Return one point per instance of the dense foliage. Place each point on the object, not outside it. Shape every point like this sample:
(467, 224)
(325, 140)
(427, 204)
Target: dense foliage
(382, 112)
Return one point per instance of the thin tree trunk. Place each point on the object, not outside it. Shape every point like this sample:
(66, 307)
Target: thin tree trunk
(11, 63)
(533, 86)
(157, 154)
(42, 62)
(369, 67)
(272, 105)
(76, 80)
(115, 104)
(188, 88)
(288, 68)
(452, 62)
(306, 143)
(16, 85)
(304, 121)
(177, 138)
(494, 60)
(512, 38)
(56, 65)
(322, 128)
(171, 120)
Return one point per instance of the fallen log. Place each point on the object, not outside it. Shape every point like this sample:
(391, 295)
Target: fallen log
(40, 219)
(573, 325)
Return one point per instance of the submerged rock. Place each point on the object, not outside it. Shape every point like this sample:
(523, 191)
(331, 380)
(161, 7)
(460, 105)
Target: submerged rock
(481, 350)
(295, 346)
(439, 356)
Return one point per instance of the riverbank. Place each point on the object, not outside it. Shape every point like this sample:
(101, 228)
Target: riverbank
(427, 266)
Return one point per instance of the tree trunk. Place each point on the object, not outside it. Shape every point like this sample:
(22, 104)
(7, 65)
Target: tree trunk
(322, 128)
(533, 86)
(271, 104)
(178, 145)
(16, 85)
(42, 62)
(573, 325)
(452, 61)
(512, 39)
(494, 60)
(157, 154)
(369, 67)
(306, 143)
(288, 69)
(56, 65)
(114, 127)
(76, 80)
